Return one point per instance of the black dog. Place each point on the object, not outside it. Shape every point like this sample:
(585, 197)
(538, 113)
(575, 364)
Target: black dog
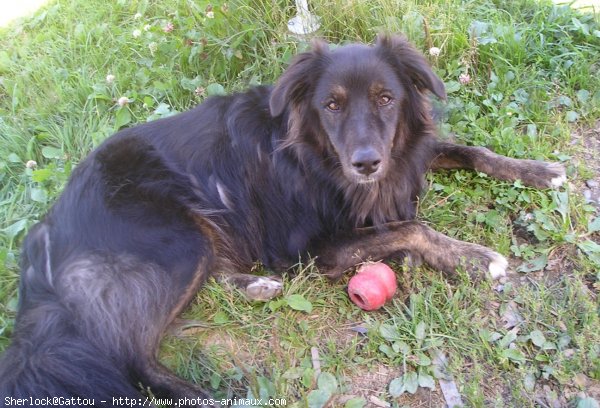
(328, 162)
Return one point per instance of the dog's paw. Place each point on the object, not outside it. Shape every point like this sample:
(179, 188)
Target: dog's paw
(542, 174)
(264, 288)
(559, 173)
(498, 266)
(479, 261)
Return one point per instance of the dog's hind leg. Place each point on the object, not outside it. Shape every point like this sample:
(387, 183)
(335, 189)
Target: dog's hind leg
(159, 379)
(124, 305)
(533, 173)
(162, 382)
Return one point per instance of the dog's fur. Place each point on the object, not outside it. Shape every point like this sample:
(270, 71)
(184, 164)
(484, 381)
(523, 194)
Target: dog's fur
(328, 162)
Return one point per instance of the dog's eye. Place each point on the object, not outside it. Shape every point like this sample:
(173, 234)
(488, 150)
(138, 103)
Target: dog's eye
(333, 106)
(384, 100)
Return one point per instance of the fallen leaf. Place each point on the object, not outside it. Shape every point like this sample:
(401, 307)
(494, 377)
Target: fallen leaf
(451, 394)
(447, 385)
(379, 402)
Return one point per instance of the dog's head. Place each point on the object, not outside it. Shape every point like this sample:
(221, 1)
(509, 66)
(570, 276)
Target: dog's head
(366, 99)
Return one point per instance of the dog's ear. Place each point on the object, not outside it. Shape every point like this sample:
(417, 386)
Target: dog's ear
(408, 61)
(298, 78)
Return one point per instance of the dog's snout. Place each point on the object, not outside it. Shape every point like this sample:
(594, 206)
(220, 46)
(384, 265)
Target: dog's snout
(366, 161)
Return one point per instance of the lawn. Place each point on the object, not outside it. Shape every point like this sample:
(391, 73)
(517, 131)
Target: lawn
(523, 78)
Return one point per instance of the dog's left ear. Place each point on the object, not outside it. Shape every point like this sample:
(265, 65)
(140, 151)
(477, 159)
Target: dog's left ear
(298, 78)
(408, 61)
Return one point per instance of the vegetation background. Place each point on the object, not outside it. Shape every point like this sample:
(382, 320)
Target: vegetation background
(523, 78)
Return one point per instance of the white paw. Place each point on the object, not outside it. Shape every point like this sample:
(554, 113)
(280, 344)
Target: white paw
(264, 289)
(498, 266)
(561, 175)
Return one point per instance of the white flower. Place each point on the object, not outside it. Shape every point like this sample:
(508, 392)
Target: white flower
(169, 27)
(147, 27)
(136, 33)
(31, 164)
(153, 47)
(110, 78)
(434, 51)
(137, 16)
(210, 14)
(123, 100)
(464, 79)
(199, 91)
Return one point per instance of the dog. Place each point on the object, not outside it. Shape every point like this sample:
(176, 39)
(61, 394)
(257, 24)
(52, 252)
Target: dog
(330, 161)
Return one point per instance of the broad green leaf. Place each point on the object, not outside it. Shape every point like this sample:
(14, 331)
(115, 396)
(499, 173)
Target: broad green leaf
(572, 116)
(215, 89)
(529, 382)
(123, 117)
(387, 350)
(401, 347)
(298, 302)
(513, 354)
(221, 317)
(13, 158)
(591, 249)
(420, 331)
(508, 338)
(190, 84)
(318, 398)
(537, 338)
(14, 229)
(39, 195)
(583, 95)
(535, 264)
(266, 388)
(561, 199)
(389, 332)
(327, 382)
(423, 360)
(50, 152)
(275, 305)
(397, 387)
(452, 86)
(41, 175)
(355, 403)
(411, 382)
(308, 377)
(215, 381)
(293, 373)
(594, 225)
(563, 341)
(426, 381)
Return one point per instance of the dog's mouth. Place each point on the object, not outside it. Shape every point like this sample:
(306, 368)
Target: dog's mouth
(356, 177)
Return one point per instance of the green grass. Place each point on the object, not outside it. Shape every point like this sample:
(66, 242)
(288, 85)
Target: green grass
(535, 76)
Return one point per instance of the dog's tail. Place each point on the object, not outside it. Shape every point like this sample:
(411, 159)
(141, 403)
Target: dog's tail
(50, 363)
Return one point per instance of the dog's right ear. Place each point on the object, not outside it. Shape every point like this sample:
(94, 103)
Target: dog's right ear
(298, 78)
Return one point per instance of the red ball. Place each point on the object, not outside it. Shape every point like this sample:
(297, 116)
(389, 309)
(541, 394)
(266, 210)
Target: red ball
(372, 286)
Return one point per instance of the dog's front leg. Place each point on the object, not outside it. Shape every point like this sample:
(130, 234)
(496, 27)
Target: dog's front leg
(436, 249)
(533, 173)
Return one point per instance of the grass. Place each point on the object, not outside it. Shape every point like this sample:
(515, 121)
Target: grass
(534, 73)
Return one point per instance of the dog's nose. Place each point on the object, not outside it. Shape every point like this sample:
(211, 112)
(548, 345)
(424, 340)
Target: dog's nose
(366, 160)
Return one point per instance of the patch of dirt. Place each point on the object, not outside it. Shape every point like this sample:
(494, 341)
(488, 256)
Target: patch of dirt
(368, 382)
